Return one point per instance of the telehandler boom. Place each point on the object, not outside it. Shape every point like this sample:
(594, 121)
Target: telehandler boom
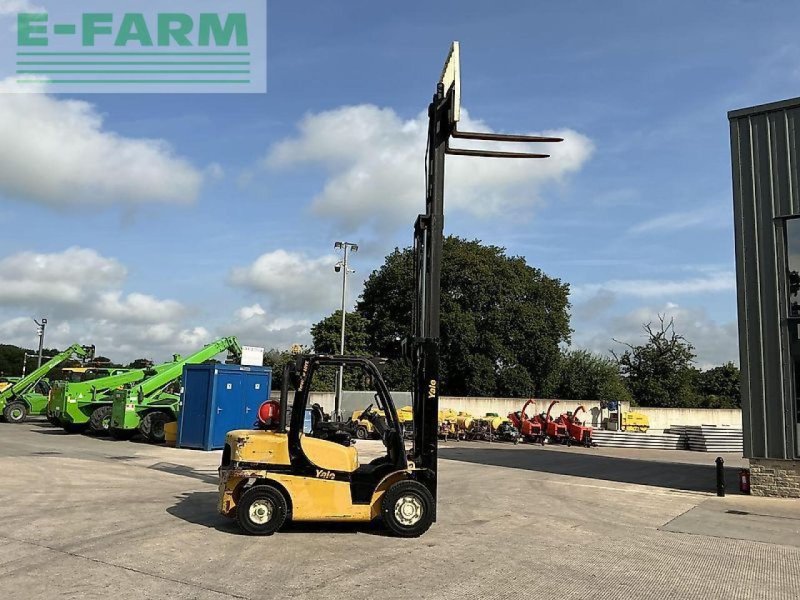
(29, 395)
(78, 406)
(150, 404)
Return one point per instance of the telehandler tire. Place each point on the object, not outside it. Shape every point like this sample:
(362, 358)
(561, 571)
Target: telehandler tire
(16, 412)
(407, 509)
(121, 434)
(152, 426)
(100, 420)
(261, 510)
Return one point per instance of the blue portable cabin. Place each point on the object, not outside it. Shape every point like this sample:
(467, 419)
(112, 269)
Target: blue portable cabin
(217, 399)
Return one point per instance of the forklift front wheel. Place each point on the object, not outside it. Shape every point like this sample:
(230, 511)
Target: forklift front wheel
(361, 432)
(407, 508)
(261, 510)
(15, 412)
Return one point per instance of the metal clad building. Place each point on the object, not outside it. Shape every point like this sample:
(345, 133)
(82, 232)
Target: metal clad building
(766, 193)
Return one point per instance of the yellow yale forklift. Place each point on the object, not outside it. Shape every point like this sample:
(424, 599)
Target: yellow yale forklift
(280, 473)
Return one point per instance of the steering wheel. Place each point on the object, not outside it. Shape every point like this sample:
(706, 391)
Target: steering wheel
(366, 413)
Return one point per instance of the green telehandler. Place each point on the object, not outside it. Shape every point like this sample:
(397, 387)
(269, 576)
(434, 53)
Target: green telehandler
(86, 405)
(29, 394)
(146, 406)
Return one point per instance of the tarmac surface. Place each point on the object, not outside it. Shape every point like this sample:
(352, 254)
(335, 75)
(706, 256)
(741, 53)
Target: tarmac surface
(96, 518)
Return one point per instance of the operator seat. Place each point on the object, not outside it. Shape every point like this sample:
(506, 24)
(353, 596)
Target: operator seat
(328, 455)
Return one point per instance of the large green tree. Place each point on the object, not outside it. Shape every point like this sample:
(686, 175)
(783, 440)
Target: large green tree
(327, 334)
(140, 363)
(660, 372)
(327, 340)
(718, 387)
(501, 320)
(582, 375)
(11, 358)
(277, 360)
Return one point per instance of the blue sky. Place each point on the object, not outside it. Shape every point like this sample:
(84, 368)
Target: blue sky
(223, 219)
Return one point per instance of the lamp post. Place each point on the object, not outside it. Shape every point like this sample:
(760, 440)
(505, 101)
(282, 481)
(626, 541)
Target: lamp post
(41, 326)
(342, 267)
(25, 358)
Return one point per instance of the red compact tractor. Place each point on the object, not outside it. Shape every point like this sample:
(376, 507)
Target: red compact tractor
(577, 431)
(531, 430)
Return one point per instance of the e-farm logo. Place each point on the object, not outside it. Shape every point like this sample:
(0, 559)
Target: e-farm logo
(187, 48)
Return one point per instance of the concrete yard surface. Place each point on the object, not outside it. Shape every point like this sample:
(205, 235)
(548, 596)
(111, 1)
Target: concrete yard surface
(95, 518)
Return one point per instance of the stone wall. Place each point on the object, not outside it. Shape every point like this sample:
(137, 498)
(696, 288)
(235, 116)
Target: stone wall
(777, 478)
(662, 418)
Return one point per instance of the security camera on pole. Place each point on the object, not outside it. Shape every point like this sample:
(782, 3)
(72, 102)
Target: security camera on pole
(342, 267)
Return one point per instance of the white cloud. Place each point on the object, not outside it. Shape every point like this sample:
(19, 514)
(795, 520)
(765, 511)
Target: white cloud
(56, 152)
(721, 281)
(375, 163)
(12, 7)
(249, 312)
(215, 171)
(715, 343)
(703, 217)
(293, 282)
(80, 292)
(254, 326)
(137, 307)
(65, 278)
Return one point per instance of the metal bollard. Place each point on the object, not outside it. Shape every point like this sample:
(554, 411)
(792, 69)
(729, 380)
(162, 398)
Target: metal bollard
(720, 476)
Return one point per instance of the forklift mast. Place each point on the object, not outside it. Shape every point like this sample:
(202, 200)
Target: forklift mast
(422, 348)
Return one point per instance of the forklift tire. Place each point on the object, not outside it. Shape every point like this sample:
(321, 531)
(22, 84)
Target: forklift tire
(16, 412)
(261, 510)
(361, 432)
(100, 421)
(407, 509)
(152, 426)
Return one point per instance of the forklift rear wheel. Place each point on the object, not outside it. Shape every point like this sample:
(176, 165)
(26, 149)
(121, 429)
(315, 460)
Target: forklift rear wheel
(152, 426)
(100, 421)
(407, 508)
(261, 510)
(15, 412)
(361, 432)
